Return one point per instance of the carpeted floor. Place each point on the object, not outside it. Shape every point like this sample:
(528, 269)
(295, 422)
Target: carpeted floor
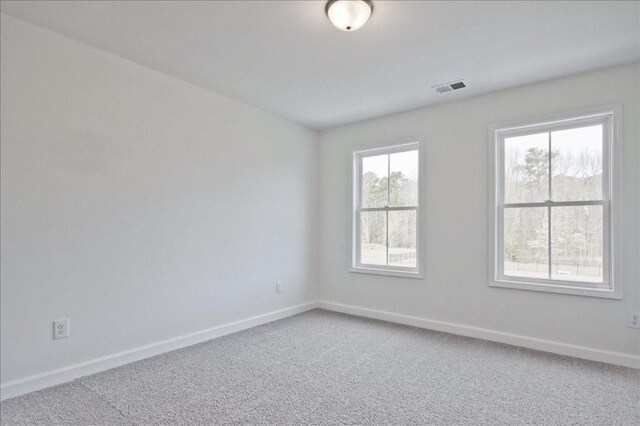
(326, 368)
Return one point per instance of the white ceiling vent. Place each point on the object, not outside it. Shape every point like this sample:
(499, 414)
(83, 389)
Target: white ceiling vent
(448, 87)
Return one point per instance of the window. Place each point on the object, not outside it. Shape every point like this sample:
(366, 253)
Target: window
(553, 206)
(386, 211)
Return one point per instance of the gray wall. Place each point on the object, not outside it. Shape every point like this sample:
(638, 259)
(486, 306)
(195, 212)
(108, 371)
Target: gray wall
(139, 206)
(455, 219)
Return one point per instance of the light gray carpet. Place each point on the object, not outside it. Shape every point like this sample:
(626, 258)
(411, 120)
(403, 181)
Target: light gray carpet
(326, 368)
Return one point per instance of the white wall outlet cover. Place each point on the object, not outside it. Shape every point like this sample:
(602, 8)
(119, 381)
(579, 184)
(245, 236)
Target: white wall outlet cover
(634, 320)
(61, 328)
(278, 286)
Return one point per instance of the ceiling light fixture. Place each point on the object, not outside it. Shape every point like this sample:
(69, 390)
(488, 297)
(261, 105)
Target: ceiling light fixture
(348, 15)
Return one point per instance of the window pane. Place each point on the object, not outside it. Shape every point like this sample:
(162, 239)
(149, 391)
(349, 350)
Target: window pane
(576, 164)
(526, 168)
(402, 238)
(526, 251)
(404, 179)
(577, 243)
(374, 181)
(373, 238)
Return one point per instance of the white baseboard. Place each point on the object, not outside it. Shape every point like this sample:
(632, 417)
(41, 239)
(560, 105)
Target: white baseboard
(492, 335)
(72, 372)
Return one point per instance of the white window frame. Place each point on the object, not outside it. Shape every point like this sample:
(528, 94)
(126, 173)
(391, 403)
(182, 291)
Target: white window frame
(356, 209)
(611, 157)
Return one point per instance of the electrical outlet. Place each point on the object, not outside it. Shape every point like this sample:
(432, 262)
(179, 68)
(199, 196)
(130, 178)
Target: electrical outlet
(634, 320)
(278, 286)
(61, 328)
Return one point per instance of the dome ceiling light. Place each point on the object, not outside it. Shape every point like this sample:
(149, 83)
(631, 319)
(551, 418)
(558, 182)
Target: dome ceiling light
(348, 15)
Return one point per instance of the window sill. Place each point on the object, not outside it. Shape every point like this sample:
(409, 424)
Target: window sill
(576, 290)
(387, 272)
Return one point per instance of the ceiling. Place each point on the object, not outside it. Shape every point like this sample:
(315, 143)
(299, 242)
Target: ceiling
(286, 58)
